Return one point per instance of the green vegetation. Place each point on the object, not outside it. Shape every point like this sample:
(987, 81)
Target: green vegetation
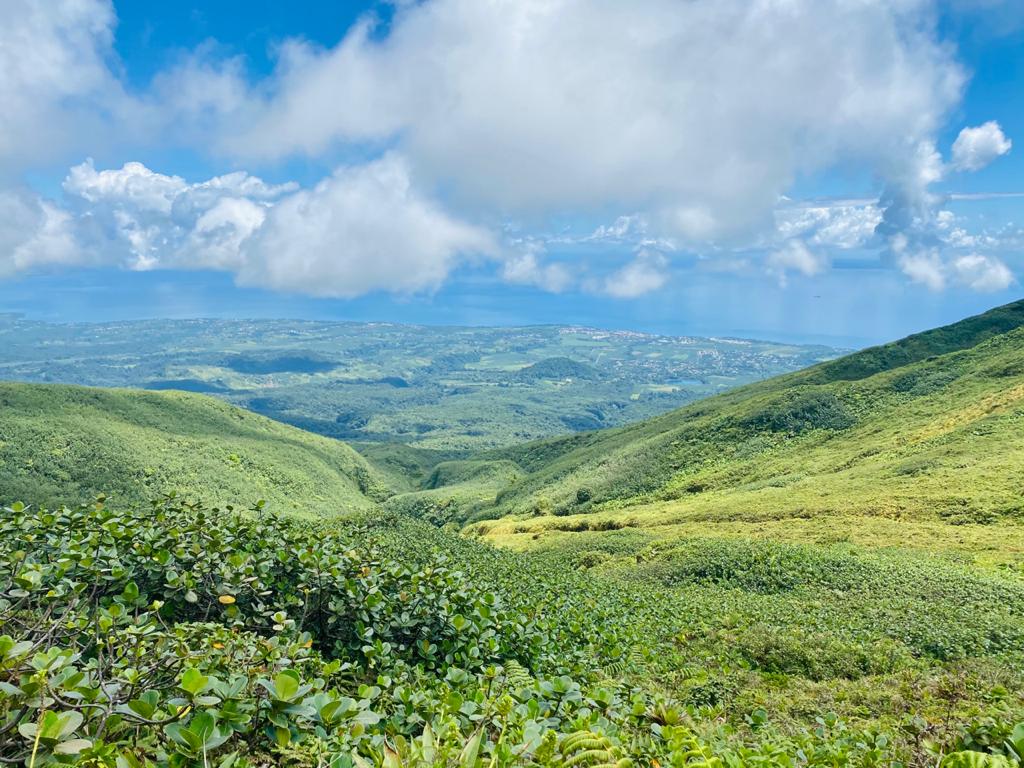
(446, 390)
(938, 439)
(62, 444)
(821, 569)
(183, 636)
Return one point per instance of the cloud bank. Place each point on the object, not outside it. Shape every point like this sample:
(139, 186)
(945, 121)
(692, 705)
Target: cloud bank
(363, 229)
(700, 113)
(695, 118)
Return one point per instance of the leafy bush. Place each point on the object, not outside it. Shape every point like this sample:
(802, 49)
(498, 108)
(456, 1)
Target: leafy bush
(762, 567)
(183, 636)
(800, 411)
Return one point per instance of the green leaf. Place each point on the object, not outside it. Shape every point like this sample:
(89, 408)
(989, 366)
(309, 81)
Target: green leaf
(974, 760)
(286, 685)
(203, 725)
(193, 681)
(427, 745)
(72, 746)
(184, 737)
(52, 726)
(469, 753)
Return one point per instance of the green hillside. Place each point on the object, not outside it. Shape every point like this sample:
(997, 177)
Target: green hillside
(927, 429)
(824, 570)
(65, 444)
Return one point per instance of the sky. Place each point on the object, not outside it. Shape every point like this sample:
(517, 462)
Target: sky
(832, 171)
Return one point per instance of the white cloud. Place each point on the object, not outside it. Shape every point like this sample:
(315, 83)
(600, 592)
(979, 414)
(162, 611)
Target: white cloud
(699, 113)
(63, 94)
(985, 274)
(696, 117)
(924, 267)
(622, 227)
(914, 224)
(526, 269)
(132, 186)
(844, 225)
(794, 256)
(982, 273)
(55, 85)
(33, 233)
(647, 272)
(363, 229)
(137, 218)
(976, 147)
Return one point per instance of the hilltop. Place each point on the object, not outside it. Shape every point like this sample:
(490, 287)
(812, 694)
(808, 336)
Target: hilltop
(63, 444)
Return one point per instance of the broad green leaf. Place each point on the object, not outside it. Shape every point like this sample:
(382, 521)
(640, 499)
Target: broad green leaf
(469, 753)
(286, 685)
(193, 681)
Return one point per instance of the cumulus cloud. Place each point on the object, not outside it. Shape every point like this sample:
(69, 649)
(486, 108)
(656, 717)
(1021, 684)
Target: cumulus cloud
(924, 267)
(132, 186)
(55, 85)
(63, 94)
(363, 229)
(978, 272)
(525, 268)
(647, 272)
(982, 273)
(915, 228)
(976, 147)
(34, 233)
(700, 113)
(844, 225)
(138, 218)
(696, 117)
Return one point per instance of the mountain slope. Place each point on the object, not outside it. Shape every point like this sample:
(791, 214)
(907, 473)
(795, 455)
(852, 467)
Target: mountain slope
(930, 426)
(64, 443)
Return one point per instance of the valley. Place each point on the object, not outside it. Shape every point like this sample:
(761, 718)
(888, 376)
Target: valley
(823, 568)
(450, 390)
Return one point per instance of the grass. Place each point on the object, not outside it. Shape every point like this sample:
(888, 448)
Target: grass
(825, 568)
(64, 444)
(938, 439)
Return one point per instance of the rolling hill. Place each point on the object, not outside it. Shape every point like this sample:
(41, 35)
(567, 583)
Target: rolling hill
(824, 569)
(442, 389)
(928, 429)
(63, 443)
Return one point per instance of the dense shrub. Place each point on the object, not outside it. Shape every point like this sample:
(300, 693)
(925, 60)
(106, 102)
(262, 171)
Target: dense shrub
(762, 567)
(800, 411)
(919, 382)
(183, 636)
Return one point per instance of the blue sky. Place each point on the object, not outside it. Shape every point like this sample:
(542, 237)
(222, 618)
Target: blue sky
(815, 170)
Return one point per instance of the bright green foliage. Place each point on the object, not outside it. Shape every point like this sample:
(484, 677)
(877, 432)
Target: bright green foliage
(61, 444)
(929, 428)
(691, 596)
(184, 636)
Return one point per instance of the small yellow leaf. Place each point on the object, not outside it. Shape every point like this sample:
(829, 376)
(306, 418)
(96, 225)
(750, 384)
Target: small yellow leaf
(226, 599)
(218, 646)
